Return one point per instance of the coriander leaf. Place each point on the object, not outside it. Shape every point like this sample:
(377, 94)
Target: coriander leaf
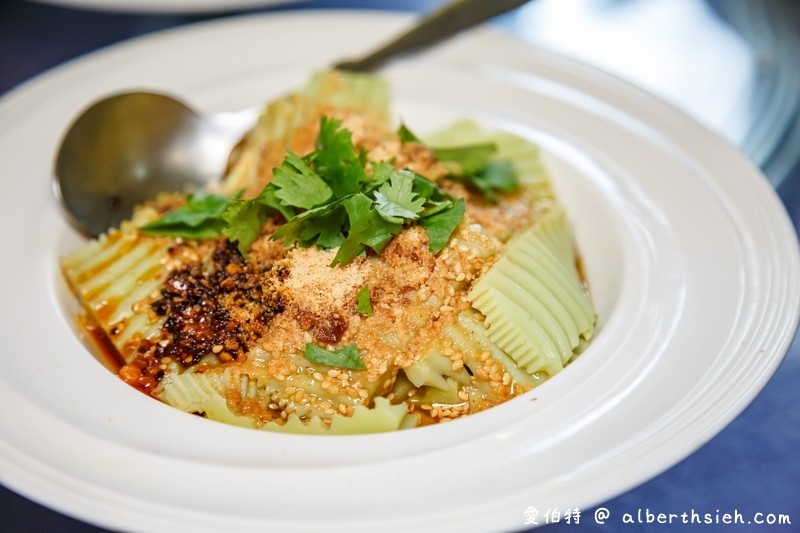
(199, 208)
(375, 235)
(244, 219)
(363, 156)
(364, 305)
(267, 198)
(469, 159)
(345, 358)
(396, 200)
(423, 187)
(351, 248)
(428, 189)
(431, 207)
(336, 159)
(406, 135)
(495, 176)
(469, 163)
(332, 223)
(199, 218)
(304, 228)
(367, 228)
(209, 229)
(358, 208)
(297, 185)
(380, 232)
(441, 225)
(381, 172)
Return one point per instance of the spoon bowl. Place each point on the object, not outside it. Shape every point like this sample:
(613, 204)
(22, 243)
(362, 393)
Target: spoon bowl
(129, 147)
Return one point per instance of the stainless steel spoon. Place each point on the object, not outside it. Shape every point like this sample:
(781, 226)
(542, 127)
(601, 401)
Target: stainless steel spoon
(127, 148)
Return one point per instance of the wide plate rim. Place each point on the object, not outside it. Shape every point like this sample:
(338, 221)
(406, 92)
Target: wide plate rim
(759, 186)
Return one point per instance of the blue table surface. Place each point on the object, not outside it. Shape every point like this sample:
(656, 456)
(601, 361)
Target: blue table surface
(751, 467)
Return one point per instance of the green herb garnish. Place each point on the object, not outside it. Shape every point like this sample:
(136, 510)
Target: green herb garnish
(199, 218)
(336, 159)
(345, 358)
(495, 176)
(364, 305)
(406, 135)
(396, 200)
(440, 225)
(362, 212)
(297, 185)
(473, 165)
(465, 160)
(328, 200)
(244, 221)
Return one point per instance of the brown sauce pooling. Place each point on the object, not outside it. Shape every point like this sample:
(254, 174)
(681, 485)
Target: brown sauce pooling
(106, 352)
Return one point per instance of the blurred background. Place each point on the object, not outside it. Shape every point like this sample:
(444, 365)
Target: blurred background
(732, 64)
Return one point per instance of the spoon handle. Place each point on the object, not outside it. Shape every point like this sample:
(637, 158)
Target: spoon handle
(447, 21)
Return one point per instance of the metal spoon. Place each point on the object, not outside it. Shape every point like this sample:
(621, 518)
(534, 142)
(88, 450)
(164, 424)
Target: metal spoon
(127, 148)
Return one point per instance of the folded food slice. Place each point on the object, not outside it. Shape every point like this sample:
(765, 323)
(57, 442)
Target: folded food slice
(206, 394)
(535, 303)
(117, 277)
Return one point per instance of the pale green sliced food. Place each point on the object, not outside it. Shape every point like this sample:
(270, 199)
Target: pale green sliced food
(381, 418)
(117, 277)
(188, 391)
(203, 393)
(191, 390)
(216, 408)
(534, 300)
(471, 337)
(433, 370)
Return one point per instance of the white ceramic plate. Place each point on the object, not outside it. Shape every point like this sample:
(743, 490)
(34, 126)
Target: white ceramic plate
(692, 262)
(168, 6)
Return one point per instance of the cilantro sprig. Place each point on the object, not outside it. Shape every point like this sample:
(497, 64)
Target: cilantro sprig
(328, 199)
(347, 357)
(364, 305)
(472, 164)
(199, 218)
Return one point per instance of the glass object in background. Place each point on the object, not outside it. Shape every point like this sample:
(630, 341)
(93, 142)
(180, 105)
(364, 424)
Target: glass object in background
(731, 65)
